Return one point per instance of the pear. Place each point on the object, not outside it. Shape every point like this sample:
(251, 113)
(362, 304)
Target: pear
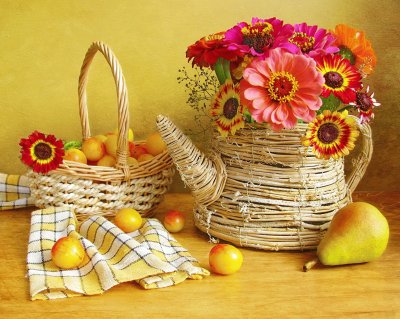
(358, 233)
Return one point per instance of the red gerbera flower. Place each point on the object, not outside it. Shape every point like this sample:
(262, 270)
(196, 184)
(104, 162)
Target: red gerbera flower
(207, 50)
(341, 78)
(42, 153)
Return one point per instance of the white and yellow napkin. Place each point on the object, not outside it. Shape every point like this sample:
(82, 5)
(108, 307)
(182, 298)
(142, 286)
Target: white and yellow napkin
(14, 192)
(149, 256)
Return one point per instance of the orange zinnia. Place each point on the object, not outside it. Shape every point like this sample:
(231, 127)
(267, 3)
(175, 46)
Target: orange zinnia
(361, 53)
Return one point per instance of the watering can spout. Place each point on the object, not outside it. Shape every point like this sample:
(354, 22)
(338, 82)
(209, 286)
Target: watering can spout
(204, 176)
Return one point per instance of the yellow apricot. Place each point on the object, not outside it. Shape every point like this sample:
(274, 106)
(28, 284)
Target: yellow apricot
(155, 144)
(133, 161)
(75, 155)
(93, 149)
(111, 145)
(107, 160)
(102, 138)
(145, 157)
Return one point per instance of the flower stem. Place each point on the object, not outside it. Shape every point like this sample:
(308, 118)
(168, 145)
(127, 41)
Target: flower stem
(227, 68)
(310, 264)
(219, 71)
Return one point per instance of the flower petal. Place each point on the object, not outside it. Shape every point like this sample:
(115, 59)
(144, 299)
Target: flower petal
(254, 78)
(253, 93)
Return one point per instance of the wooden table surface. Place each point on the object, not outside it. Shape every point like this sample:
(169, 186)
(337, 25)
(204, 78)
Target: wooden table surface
(269, 285)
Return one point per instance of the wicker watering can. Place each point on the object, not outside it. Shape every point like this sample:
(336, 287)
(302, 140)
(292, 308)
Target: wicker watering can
(263, 189)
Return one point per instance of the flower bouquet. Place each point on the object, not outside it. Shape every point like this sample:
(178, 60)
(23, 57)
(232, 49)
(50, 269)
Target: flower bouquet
(288, 102)
(282, 74)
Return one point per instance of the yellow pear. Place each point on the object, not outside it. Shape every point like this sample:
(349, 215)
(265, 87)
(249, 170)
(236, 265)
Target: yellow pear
(358, 233)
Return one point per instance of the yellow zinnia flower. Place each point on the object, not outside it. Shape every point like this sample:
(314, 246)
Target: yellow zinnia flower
(331, 135)
(227, 110)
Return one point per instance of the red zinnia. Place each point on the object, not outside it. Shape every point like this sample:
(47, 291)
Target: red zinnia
(365, 104)
(207, 50)
(341, 78)
(42, 153)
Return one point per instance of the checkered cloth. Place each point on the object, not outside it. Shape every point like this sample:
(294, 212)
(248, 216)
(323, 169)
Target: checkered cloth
(149, 256)
(14, 192)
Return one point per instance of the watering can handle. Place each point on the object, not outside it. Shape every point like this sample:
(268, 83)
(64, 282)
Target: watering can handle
(360, 163)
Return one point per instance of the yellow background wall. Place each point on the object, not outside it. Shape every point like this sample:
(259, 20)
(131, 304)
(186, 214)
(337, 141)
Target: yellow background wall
(42, 45)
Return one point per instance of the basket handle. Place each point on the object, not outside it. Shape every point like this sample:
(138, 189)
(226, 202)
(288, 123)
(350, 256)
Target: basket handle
(123, 104)
(360, 163)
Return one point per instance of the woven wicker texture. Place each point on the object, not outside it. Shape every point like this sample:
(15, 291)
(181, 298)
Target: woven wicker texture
(96, 190)
(272, 193)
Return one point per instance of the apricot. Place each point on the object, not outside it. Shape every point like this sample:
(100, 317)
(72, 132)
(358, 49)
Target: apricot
(102, 138)
(133, 161)
(107, 160)
(138, 151)
(225, 259)
(75, 155)
(93, 149)
(128, 220)
(67, 252)
(145, 157)
(131, 147)
(111, 145)
(174, 221)
(155, 144)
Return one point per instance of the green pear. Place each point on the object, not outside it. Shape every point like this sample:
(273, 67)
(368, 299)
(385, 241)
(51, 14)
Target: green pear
(358, 233)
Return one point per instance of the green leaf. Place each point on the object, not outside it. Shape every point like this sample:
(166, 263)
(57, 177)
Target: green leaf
(347, 54)
(330, 103)
(72, 144)
(247, 117)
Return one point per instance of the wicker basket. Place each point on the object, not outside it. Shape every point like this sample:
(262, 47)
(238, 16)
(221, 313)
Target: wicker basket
(98, 190)
(263, 189)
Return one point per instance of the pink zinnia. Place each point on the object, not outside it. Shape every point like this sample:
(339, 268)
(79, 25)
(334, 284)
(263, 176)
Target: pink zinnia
(259, 37)
(281, 89)
(311, 41)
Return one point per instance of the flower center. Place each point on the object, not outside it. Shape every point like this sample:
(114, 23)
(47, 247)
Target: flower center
(230, 108)
(43, 151)
(214, 37)
(258, 36)
(282, 86)
(303, 41)
(363, 101)
(328, 133)
(333, 79)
